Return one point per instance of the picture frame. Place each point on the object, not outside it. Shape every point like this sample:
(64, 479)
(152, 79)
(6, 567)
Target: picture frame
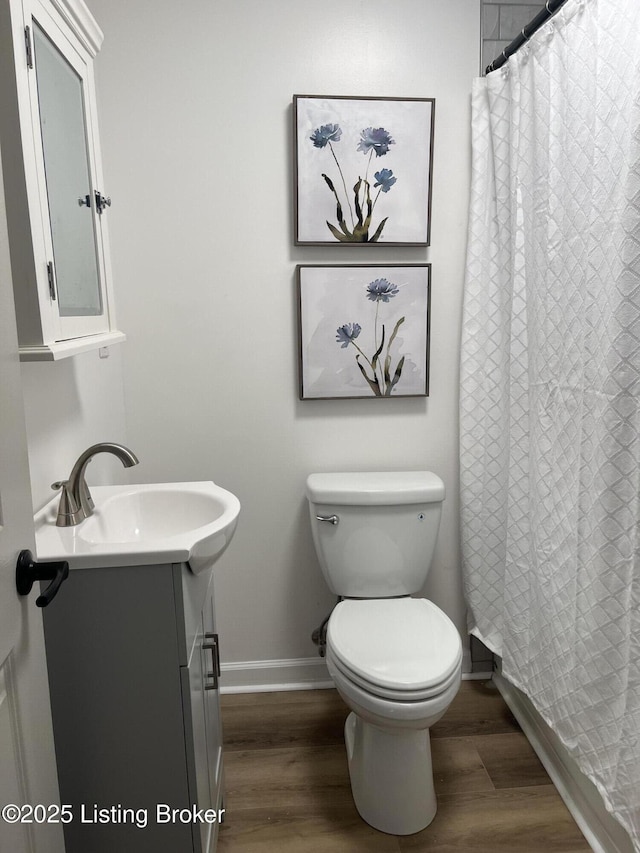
(363, 330)
(363, 170)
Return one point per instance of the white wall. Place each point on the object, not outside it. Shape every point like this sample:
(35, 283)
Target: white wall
(195, 119)
(70, 405)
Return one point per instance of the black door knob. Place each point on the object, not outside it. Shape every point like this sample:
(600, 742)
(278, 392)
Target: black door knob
(28, 572)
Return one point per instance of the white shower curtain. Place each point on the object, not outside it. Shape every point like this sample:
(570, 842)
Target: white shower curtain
(550, 385)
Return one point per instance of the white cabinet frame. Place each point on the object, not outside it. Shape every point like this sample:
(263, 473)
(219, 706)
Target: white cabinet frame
(44, 334)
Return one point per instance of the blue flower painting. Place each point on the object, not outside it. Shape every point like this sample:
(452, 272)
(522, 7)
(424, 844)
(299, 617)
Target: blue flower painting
(375, 139)
(372, 141)
(322, 136)
(364, 330)
(363, 170)
(347, 334)
(377, 370)
(384, 179)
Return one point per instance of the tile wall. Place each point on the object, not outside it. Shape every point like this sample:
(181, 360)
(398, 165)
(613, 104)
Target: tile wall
(502, 20)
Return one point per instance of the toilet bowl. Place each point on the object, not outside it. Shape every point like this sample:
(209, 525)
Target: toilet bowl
(397, 687)
(395, 659)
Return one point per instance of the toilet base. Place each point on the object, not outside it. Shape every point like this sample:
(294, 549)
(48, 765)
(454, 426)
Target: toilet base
(391, 776)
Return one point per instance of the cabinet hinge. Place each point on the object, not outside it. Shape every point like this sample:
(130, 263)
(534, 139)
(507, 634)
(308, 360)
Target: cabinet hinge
(28, 46)
(52, 280)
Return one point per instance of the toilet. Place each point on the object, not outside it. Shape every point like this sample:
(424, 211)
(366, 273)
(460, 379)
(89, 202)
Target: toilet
(395, 659)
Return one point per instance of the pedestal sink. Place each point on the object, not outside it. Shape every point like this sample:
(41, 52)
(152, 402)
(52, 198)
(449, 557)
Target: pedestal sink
(144, 524)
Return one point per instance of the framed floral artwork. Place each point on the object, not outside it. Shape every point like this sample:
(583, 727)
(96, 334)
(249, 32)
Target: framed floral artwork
(363, 330)
(363, 170)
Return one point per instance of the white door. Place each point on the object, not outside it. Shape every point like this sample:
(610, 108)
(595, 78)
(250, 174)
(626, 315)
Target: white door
(27, 761)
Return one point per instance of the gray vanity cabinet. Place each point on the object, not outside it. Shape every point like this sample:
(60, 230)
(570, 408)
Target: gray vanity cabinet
(133, 672)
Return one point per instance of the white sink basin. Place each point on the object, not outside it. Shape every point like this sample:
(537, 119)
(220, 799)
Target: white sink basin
(151, 513)
(137, 525)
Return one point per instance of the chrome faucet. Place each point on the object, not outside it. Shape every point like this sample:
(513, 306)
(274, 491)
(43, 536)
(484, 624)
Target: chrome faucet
(76, 502)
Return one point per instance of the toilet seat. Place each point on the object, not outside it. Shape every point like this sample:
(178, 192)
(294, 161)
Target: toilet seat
(394, 695)
(404, 649)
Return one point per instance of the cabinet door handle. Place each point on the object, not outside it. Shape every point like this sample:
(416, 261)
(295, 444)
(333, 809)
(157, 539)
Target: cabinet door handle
(215, 658)
(216, 645)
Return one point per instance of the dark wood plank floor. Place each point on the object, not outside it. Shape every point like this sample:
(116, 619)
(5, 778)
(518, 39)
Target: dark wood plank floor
(287, 782)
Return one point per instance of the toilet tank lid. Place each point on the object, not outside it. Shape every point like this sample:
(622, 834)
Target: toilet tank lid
(375, 487)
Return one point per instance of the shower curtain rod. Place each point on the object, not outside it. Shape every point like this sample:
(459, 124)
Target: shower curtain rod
(550, 8)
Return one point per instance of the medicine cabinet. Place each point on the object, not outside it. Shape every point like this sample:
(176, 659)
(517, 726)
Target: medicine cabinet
(56, 200)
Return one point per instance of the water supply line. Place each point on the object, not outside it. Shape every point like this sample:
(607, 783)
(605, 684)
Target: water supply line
(319, 636)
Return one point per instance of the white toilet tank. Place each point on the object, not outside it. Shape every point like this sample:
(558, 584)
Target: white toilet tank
(379, 532)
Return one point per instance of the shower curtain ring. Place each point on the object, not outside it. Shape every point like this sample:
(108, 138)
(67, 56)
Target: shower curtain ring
(546, 6)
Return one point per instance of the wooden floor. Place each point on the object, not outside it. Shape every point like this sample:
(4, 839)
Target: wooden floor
(287, 782)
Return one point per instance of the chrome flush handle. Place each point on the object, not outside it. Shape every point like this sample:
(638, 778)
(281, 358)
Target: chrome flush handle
(332, 519)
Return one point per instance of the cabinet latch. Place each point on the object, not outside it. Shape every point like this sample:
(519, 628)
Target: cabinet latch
(102, 201)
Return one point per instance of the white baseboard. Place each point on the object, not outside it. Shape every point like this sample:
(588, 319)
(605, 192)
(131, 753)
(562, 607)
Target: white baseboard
(257, 676)
(601, 830)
